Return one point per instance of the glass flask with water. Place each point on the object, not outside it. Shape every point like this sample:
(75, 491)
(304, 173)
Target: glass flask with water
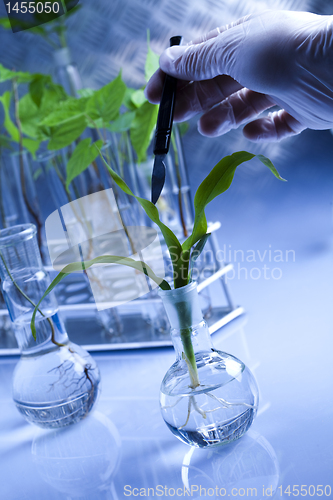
(56, 382)
(207, 397)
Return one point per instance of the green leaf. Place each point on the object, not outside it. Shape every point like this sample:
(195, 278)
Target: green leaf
(28, 127)
(86, 92)
(170, 238)
(19, 76)
(197, 250)
(106, 102)
(29, 116)
(216, 182)
(104, 259)
(267, 162)
(5, 142)
(67, 110)
(138, 98)
(29, 122)
(36, 88)
(96, 124)
(152, 60)
(127, 99)
(122, 123)
(142, 128)
(66, 133)
(38, 30)
(8, 124)
(83, 155)
(52, 95)
(4, 23)
(31, 145)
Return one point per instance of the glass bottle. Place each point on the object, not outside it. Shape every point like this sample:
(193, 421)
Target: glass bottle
(19, 201)
(55, 383)
(210, 401)
(66, 72)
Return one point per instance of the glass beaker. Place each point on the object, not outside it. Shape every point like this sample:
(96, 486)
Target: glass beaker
(207, 397)
(56, 382)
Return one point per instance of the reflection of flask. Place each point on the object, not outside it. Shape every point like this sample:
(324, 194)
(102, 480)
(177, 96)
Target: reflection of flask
(55, 382)
(214, 402)
(249, 466)
(81, 460)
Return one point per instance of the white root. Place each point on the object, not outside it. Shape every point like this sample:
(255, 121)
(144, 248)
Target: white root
(171, 406)
(226, 404)
(192, 403)
(197, 408)
(188, 413)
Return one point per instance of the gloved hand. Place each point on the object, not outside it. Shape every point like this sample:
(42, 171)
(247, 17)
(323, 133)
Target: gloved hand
(234, 73)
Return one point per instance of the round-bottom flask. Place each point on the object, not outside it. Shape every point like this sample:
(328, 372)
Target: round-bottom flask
(56, 382)
(207, 397)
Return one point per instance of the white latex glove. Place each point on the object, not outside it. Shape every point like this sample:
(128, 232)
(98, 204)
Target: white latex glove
(234, 73)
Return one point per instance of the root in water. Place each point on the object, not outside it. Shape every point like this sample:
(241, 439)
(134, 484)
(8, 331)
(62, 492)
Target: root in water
(193, 406)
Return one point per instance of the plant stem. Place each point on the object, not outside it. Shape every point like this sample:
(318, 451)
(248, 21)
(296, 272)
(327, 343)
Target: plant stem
(189, 356)
(62, 30)
(184, 310)
(49, 320)
(60, 176)
(181, 270)
(64, 5)
(96, 128)
(94, 164)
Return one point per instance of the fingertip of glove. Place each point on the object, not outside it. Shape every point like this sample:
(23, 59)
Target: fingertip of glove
(208, 131)
(254, 133)
(213, 125)
(154, 87)
(152, 96)
(148, 92)
(170, 56)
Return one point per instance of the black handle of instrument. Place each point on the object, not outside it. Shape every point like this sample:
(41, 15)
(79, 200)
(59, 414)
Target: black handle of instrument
(166, 109)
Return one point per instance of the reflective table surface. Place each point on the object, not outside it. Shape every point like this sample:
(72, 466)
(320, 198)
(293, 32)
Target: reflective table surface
(279, 238)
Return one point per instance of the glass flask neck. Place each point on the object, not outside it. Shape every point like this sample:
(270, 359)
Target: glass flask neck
(18, 250)
(23, 283)
(183, 309)
(50, 334)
